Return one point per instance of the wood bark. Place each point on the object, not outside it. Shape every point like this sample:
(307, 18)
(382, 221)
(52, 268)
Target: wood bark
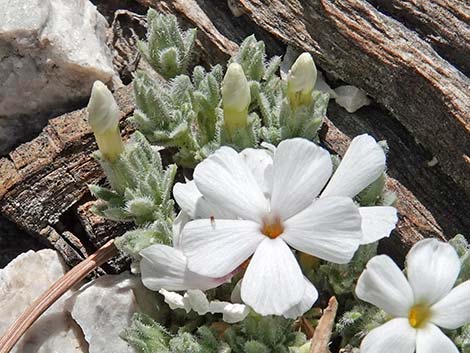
(362, 46)
(43, 183)
(444, 24)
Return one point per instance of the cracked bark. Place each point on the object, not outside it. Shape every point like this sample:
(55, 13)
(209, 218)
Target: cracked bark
(43, 183)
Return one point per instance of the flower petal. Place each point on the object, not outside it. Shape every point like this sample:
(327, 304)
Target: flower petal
(236, 295)
(395, 336)
(227, 182)
(362, 164)
(191, 201)
(309, 298)
(453, 310)
(273, 282)
(197, 301)
(178, 224)
(383, 284)
(215, 249)
(235, 313)
(330, 229)
(260, 162)
(430, 339)
(377, 222)
(301, 170)
(165, 267)
(174, 300)
(432, 267)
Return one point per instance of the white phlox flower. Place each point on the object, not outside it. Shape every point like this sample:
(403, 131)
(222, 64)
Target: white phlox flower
(420, 303)
(196, 300)
(165, 267)
(263, 208)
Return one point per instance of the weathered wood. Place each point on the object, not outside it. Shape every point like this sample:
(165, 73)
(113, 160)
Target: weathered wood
(43, 178)
(323, 331)
(53, 170)
(43, 183)
(355, 42)
(444, 24)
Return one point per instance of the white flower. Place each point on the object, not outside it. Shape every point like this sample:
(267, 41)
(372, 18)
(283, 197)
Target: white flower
(268, 209)
(362, 164)
(420, 304)
(165, 267)
(196, 300)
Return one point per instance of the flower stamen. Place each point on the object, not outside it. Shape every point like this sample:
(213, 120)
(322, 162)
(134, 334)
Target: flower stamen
(272, 227)
(419, 315)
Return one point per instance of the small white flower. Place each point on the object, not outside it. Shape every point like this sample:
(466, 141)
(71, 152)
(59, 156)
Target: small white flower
(175, 300)
(420, 304)
(233, 313)
(196, 300)
(268, 208)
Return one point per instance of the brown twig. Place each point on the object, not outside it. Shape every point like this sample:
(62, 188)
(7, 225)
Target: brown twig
(41, 304)
(321, 337)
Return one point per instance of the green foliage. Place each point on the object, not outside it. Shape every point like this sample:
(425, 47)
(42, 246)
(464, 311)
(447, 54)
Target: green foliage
(186, 113)
(462, 247)
(140, 192)
(168, 48)
(256, 334)
(357, 322)
(341, 279)
(280, 120)
(263, 334)
(146, 336)
(462, 338)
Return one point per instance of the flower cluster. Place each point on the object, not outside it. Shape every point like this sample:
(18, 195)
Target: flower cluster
(248, 211)
(255, 216)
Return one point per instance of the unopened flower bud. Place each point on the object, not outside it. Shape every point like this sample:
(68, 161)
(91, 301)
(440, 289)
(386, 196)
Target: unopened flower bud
(301, 80)
(236, 97)
(103, 117)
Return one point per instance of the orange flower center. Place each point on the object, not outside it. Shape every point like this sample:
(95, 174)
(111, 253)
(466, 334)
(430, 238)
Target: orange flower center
(272, 227)
(419, 315)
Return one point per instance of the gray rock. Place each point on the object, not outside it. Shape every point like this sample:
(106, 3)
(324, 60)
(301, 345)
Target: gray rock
(21, 282)
(51, 52)
(104, 308)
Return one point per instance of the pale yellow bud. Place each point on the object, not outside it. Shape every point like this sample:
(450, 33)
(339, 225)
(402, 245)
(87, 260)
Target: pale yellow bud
(103, 117)
(236, 97)
(301, 80)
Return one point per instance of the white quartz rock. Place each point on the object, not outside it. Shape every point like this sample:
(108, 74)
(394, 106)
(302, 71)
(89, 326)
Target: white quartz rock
(351, 98)
(51, 52)
(104, 307)
(21, 282)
